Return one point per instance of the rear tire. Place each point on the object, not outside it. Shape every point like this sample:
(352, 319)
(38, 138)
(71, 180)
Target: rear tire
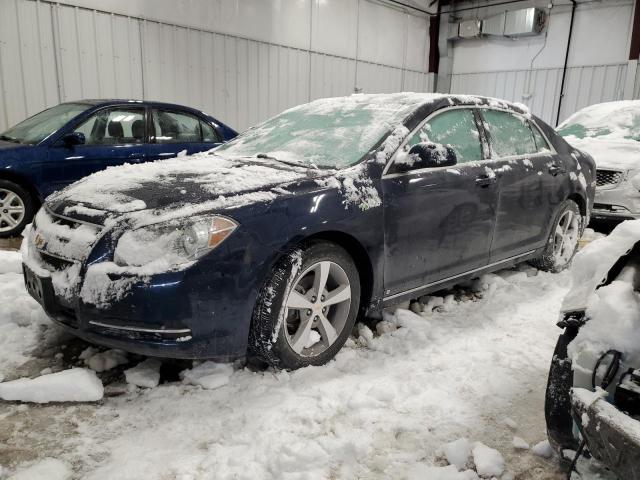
(17, 208)
(562, 245)
(307, 308)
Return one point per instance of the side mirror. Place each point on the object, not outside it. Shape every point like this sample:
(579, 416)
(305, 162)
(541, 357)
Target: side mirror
(428, 155)
(74, 138)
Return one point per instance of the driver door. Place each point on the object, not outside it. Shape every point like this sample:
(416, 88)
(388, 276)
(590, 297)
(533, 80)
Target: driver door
(439, 221)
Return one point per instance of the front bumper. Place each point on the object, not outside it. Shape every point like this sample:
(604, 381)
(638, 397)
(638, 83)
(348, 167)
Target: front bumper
(613, 437)
(621, 202)
(166, 315)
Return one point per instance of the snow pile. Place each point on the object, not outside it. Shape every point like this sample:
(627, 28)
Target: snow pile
(592, 263)
(46, 469)
(103, 361)
(520, 443)
(74, 385)
(488, 461)
(208, 375)
(146, 374)
(21, 317)
(543, 449)
(458, 452)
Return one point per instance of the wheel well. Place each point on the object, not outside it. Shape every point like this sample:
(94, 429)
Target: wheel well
(580, 201)
(360, 257)
(28, 186)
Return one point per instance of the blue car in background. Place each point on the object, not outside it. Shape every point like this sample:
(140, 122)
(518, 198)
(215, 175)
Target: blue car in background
(60, 145)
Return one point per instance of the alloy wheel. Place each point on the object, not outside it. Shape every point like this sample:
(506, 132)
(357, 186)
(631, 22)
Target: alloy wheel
(317, 308)
(12, 210)
(566, 237)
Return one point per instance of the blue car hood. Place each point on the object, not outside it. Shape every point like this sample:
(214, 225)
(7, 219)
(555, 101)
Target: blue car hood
(201, 182)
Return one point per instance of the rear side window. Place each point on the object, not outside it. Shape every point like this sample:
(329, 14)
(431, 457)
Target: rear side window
(208, 133)
(541, 143)
(455, 128)
(175, 127)
(509, 134)
(114, 126)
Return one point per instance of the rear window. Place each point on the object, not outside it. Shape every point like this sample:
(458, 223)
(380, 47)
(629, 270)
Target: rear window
(509, 134)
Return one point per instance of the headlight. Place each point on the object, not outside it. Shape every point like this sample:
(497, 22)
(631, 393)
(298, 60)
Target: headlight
(172, 243)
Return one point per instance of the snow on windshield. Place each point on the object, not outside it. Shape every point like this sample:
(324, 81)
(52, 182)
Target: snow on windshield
(331, 132)
(611, 120)
(609, 132)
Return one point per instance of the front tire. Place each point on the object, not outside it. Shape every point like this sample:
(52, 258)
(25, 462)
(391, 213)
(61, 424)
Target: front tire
(17, 208)
(307, 308)
(563, 241)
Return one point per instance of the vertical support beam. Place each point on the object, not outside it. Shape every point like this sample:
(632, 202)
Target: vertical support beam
(434, 33)
(634, 49)
(634, 55)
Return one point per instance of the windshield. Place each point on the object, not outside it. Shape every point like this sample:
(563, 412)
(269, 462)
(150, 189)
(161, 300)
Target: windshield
(328, 133)
(612, 121)
(35, 129)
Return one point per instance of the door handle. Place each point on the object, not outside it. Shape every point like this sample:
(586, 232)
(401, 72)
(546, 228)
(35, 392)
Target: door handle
(556, 170)
(486, 180)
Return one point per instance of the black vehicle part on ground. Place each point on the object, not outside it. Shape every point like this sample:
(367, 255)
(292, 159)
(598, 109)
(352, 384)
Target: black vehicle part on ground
(609, 437)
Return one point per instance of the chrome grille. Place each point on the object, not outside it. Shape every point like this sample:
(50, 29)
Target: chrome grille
(608, 178)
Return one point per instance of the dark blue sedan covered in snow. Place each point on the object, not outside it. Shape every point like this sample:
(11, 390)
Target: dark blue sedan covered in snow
(60, 145)
(274, 243)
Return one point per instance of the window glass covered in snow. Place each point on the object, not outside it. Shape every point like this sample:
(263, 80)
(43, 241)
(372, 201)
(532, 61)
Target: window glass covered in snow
(620, 120)
(455, 128)
(333, 132)
(510, 134)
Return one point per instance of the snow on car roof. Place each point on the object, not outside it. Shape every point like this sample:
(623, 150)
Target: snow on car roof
(611, 120)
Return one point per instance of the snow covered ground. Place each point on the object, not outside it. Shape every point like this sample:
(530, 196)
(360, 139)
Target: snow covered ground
(470, 369)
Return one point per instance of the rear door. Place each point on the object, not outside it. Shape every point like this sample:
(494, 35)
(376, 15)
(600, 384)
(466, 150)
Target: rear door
(530, 183)
(174, 131)
(439, 221)
(113, 136)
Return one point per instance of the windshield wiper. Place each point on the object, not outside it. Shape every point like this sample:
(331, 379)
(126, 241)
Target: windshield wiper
(9, 139)
(287, 162)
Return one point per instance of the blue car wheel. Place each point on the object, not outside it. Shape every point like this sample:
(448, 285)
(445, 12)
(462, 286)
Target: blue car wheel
(307, 308)
(16, 208)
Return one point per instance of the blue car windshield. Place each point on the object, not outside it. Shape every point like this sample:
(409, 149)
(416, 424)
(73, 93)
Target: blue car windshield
(38, 127)
(328, 133)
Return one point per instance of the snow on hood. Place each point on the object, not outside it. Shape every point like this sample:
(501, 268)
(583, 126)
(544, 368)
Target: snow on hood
(614, 154)
(592, 264)
(183, 180)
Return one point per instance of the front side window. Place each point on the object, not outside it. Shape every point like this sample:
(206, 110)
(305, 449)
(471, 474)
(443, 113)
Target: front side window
(35, 129)
(175, 127)
(114, 126)
(510, 135)
(456, 129)
(208, 133)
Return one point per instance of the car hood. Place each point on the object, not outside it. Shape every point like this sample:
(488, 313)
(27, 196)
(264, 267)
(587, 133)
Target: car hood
(201, 182)
(613, 154)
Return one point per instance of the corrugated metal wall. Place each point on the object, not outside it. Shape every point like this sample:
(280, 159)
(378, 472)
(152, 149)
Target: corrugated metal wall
(52, 52)
(540, 88)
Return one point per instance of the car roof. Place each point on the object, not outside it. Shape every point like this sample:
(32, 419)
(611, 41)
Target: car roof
(119, 101)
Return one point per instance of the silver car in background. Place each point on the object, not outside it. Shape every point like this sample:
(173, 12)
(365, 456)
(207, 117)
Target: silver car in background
(610, 133)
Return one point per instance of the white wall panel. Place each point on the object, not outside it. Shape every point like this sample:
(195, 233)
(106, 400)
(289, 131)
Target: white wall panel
(540, 89)
(241, 61)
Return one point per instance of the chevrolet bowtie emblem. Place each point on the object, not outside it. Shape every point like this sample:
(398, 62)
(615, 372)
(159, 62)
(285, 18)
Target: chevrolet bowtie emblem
(38, 241)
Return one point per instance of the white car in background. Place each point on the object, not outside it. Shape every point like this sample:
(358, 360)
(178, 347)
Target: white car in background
(610, 133)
